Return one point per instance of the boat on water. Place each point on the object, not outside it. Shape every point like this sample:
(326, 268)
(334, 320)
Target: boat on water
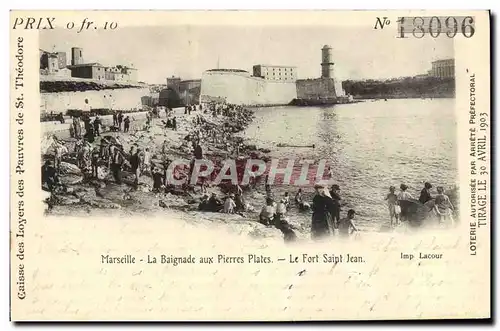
(304, 146)
(414, 211)
(418, 214)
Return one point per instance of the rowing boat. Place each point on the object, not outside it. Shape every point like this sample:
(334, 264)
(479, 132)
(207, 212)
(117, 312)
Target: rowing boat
(305, 146)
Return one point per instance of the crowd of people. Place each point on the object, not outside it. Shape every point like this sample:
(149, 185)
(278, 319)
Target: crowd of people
(439, 204)
(108, 152)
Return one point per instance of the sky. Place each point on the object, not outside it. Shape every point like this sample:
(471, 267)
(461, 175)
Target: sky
(186, 51)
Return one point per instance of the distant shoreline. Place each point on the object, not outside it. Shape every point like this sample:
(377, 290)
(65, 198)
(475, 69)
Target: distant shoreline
(402, 97)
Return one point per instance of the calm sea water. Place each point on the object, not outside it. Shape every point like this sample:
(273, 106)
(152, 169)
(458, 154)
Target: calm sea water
(371, 145)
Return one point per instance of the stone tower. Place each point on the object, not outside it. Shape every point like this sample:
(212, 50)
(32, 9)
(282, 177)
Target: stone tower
(326, 62)
(76, 56)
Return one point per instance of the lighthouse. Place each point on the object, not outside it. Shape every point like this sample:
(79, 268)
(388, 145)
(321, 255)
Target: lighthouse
(326, 62)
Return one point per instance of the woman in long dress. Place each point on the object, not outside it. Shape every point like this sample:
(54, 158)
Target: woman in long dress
(322, 207)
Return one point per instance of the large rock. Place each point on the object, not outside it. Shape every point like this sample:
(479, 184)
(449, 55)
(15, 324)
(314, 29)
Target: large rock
(70, 179)
(68, 168)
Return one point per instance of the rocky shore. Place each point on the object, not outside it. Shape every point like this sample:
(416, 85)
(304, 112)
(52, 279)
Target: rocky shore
(83, 195)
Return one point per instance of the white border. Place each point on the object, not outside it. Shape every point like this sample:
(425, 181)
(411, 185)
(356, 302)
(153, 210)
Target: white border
(185, 4)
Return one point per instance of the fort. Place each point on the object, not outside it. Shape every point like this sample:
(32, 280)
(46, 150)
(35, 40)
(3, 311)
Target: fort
(271, 85)
(84, 86)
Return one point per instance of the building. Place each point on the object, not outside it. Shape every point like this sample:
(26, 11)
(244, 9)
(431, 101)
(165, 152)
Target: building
(53, 63)
(327, 62)
(238, 86)
(61, 58)
(173, 83)
(76, 56)
(275, 73)
(189, 91)
(180, 92)
(151, 100)
(110, 73)
(186, 85)
(324, 89)
(79, 69)
(170, 98)
(57, 60)
(273, 85)
(97, 71)
(443, 68)
(132, 74)
(88, 70)
(121, 73)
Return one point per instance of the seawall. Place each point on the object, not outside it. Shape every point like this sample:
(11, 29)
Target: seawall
(242, 89)
(313, 89)
(119, 99)
(58, 127)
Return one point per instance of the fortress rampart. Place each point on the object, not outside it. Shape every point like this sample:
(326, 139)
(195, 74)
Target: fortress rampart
(239, 87)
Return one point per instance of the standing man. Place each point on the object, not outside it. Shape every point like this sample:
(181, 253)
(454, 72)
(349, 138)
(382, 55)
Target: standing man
(95, 162)
(117, 161)
(198, 151)
(335, 194)
(115, 119)
(126, 124)
(86, 123)
(120, 120)
(135, 164)
(97, 124)
(425, 194)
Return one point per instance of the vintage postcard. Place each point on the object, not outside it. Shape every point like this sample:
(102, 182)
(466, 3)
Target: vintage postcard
(250, 165)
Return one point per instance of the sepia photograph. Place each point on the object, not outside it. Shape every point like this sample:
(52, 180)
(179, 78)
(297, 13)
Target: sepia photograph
(294, 133)
(250, 165)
